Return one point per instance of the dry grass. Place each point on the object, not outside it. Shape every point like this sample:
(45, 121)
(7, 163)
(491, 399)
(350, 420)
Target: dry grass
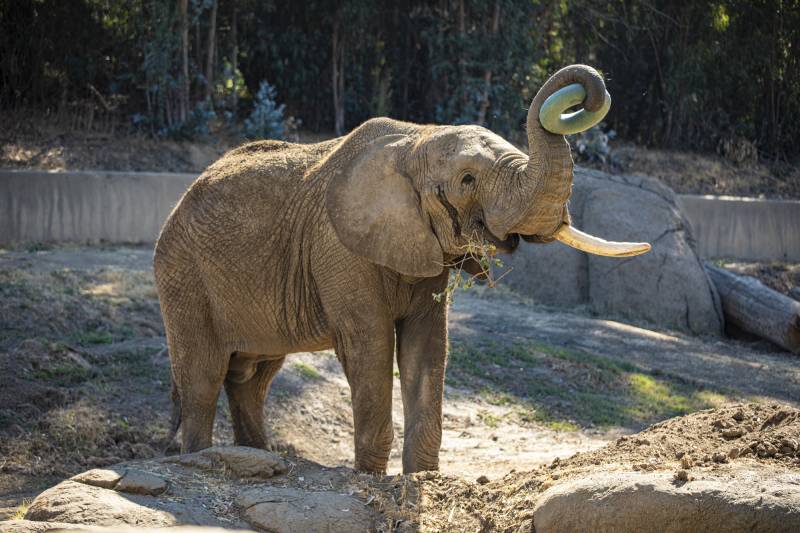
(478, 252)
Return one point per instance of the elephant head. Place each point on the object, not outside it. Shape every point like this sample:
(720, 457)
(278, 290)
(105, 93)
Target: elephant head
(411, 197)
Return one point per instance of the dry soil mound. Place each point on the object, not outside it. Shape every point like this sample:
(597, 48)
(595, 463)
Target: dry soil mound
(735, 468)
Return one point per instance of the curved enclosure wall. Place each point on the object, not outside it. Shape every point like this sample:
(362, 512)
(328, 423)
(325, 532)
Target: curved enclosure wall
(667, 286)
(744, 228)
(87, 206)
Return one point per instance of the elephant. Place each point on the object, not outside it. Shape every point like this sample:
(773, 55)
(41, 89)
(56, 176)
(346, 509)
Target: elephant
(280, 248)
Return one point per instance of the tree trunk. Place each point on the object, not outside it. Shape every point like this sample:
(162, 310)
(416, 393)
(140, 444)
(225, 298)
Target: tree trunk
(234, 60)
(753, 307)
(183, 28)
(212, 41)
(462, 61)
(487, 75)
(337, 70)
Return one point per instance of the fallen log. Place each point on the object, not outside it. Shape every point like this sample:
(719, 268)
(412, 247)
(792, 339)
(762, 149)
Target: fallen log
(753, 307)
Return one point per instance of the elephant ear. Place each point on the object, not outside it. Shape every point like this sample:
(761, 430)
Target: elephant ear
(376, 211)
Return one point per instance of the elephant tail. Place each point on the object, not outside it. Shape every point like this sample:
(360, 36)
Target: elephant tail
(175, 414)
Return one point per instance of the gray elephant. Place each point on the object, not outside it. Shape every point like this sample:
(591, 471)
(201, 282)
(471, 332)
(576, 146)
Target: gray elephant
(280, 248)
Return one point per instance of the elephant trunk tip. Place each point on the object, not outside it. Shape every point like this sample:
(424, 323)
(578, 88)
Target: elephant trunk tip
(569, 87)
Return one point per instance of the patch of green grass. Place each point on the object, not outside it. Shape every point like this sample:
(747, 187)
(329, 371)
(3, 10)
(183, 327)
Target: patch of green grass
(38, 247)
(564, 389)
(489, 419)
(21, 511)
(93, 337)
(602, 363)
(650, 395)
(64, 374)
(307, 371)
(131, 364)
(494, 397)
(546, 420)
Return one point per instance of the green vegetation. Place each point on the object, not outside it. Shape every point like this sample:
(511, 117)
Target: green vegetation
(131, 365)
(307, 371)
(38, 247)
(565, 389)
(93, 337)
(489, 419)
(19, 514)
(715, 75)
(64, 374)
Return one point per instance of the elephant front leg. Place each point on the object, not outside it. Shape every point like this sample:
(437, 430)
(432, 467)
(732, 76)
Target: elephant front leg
(368, 367)
(422, 357)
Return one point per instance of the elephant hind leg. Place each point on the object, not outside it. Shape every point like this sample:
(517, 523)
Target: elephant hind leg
(247, 385)
(198, 375)
(199, 362)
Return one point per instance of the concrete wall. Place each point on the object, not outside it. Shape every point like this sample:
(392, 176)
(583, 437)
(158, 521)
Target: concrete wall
(132, 206)
(744, 228)
(86, 206)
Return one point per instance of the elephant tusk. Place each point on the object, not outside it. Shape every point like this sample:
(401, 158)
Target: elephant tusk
(595, 245)
(552, 119)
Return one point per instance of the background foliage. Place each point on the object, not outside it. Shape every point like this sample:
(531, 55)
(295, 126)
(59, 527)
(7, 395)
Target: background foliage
(708, 75)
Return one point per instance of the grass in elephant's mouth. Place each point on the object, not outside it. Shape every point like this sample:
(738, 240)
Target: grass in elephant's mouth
(481, 253)
(567, 389)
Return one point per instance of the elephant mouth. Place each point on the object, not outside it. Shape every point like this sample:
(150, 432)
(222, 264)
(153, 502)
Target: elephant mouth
(508, 246)
(538, 239)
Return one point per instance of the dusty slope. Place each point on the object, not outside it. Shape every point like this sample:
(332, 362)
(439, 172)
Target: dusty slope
(85, 377)
(735, 468)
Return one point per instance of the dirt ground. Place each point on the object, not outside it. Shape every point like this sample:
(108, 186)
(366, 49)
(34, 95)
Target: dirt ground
(31, 143)
(85, 379)
(694, 173)
(759, 441)
(778, 275)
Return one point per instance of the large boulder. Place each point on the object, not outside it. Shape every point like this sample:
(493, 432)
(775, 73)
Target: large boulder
(729, 500)
(221, 487)
(667, 286)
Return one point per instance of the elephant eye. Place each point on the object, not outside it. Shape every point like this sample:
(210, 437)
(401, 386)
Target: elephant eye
(468, 179)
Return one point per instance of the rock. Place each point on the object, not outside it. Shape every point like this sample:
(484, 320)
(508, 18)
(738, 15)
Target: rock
(78, 503)
(138, 482)
(682, 475)
(105, 478)
(131, 480)
(794, 292)
(286, 510)
(29, 526)
(482, 480)
(790, 444)
(632, 502)
(732, 433)
(667, 286)
(240, 461)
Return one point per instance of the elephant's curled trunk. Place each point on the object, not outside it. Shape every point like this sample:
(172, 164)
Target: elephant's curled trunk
(549, 169)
